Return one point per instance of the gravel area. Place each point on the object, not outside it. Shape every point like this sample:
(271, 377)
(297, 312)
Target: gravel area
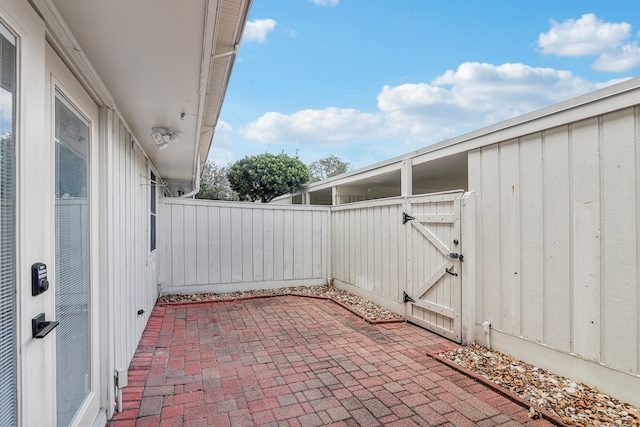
(576, 403)
(366, 308)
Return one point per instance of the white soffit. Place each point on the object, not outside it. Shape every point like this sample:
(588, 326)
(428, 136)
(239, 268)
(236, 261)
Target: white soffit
(155, 58)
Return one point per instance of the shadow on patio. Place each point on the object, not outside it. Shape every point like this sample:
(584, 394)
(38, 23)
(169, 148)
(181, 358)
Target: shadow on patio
(295, 361)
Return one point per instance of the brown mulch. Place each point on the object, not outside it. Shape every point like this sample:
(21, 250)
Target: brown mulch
(575, 403)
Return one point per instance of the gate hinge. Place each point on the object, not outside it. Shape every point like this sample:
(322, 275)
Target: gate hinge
(406, 297)
(456, 256)
(406, 218)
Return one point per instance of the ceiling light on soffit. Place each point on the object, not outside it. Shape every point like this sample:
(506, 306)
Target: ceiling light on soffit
(162, 137)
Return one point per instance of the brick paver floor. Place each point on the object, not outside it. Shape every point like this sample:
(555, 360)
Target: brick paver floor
(293, 361)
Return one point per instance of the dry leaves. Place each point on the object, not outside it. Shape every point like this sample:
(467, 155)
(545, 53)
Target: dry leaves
(576, 403)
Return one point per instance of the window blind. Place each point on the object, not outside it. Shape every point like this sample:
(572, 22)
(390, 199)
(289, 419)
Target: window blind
(8, 339)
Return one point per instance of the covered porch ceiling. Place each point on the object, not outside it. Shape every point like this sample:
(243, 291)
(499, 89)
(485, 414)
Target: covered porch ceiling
(160, 63)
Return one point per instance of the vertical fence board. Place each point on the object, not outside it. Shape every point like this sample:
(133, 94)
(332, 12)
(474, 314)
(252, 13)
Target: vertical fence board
(257, 238)
(268, 243)
(214, 245)
(202, 245)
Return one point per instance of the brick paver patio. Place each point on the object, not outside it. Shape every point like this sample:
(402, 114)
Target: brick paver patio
(293, 361)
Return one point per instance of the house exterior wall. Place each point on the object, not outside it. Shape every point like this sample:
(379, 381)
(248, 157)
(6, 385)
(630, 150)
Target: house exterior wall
(212, 246)
(557, 248)
(128, 267)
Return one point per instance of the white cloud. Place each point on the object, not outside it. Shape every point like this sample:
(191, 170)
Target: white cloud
(473, 96)
(592, 36)
(313, 126)
(585, 36)
(622, 59)
(258, 29)
(325, 2)
(220, 151)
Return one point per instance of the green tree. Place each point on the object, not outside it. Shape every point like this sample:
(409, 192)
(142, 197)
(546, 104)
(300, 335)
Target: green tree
(214, 184)
(327, 167)
(267, 176)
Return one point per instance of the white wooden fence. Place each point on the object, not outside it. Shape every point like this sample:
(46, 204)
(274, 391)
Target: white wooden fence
(381, 254)
(224, 247)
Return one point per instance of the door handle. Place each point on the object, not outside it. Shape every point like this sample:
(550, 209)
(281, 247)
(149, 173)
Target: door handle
(41, 327)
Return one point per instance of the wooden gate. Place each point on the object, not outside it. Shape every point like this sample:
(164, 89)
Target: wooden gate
(433, 299)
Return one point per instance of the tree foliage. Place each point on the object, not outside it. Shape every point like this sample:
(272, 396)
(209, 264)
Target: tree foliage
(267, 176)
(214, 184)
(327, 167)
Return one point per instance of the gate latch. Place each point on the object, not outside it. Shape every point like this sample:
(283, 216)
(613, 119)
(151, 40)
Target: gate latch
(456, 256)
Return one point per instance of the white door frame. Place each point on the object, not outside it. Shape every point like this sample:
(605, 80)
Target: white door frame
(60, 79)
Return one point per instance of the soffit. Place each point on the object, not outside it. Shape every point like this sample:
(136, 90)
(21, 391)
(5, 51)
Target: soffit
(155, 59)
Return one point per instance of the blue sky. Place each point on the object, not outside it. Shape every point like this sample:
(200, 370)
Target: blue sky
(368, 80)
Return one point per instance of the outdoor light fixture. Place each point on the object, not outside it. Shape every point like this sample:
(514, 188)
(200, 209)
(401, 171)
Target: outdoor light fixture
(162, 137)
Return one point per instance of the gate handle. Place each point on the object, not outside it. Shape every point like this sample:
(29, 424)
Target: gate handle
(450, 272)
(41, 327)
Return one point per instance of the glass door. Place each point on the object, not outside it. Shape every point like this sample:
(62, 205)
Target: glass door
(8, 336)
(72, 254)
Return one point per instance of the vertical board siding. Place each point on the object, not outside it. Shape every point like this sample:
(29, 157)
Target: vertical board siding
(619, 207)
(585, 154)
(557, 237)
(531, 247)
(220, 246)
(131, 270)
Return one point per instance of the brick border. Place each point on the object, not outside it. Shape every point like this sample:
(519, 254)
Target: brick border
(544, 413)
(291, 294)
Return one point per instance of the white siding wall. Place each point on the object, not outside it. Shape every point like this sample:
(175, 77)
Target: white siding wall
(128, 268)
(210, 246)
(558, 237)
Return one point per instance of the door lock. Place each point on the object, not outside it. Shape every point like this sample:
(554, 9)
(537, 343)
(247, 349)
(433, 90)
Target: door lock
(39, 280)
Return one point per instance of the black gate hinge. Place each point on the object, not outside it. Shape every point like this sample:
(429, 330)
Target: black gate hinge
(406, 218)
(406, 297)
(456, 256)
